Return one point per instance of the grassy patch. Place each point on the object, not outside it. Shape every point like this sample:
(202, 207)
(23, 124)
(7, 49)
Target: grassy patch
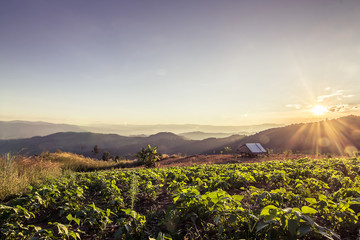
(75, 162)
(18, 172)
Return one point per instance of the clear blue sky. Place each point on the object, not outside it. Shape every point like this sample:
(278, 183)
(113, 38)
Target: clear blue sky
(206, 62)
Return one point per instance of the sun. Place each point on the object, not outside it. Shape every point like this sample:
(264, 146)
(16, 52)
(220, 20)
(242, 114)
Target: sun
(319, 110)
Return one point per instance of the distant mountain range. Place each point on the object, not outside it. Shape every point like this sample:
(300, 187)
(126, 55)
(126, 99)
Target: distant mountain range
(338, 136)
(24, 129)
(83, 143)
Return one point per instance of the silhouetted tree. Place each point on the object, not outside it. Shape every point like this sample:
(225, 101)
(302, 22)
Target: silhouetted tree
(96, 150)
(106, 156)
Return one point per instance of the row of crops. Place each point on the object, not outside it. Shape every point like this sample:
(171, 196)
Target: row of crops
(293, 199)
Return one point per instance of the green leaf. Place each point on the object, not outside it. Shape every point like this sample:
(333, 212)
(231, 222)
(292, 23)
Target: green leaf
(308, 219)
(118, 234)
(322, 197)
(292, 226)
(308, 210)
(36, 228)
(260, 226)
(108, 212)
(127, 211)
(216, 219)
(176, 198)
(238, 197)
(266, 210)
(71, 218)
(303, 230)
(311, 200)
(73, 235)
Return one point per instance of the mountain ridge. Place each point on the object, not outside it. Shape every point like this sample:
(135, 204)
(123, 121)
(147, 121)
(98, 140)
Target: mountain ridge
(84, 142)
(25, 129)
(339, 136)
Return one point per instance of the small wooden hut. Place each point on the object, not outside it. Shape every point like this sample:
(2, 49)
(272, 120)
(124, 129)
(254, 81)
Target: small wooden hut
(251, 150)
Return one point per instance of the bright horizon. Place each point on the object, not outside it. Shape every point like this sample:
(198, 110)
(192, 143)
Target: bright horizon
(221, 63)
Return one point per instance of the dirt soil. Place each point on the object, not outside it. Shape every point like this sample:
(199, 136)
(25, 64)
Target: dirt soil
(224, 159)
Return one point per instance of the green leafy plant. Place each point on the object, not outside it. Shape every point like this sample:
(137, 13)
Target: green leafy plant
(291, 223)
(290, 199)
(149, 156)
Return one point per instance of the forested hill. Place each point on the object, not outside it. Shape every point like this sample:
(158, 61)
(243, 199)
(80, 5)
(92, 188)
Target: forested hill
(83, 143)
(338, 136)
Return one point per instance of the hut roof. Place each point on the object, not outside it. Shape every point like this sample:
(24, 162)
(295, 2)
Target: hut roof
(255, 148)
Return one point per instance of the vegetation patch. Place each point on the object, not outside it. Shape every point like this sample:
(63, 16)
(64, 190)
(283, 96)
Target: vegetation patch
(292, 199)
(18, 172)
(75, 162)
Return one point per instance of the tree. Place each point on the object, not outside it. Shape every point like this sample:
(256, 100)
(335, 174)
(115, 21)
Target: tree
(227, 149)
(96, 150)
(106, 156)
(149, 156)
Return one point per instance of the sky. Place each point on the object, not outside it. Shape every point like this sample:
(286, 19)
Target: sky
(179, 62)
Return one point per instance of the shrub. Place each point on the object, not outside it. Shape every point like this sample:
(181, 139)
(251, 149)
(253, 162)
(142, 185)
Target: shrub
(106, 156)
(149, 156)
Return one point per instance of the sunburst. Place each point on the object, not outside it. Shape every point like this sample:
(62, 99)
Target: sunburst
(319, 110)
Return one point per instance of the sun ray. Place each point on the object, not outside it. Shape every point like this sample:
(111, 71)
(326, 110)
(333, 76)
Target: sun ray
(319, 110)
(299, 134)
(335, 136)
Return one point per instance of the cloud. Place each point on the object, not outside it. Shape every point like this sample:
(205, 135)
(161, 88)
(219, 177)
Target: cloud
(334, 94)
(338, 108)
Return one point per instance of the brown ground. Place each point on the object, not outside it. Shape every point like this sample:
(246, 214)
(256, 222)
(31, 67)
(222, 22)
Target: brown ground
(179, 161)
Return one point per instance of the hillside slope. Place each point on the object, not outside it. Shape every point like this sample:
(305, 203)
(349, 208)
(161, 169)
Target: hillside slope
(338, 136)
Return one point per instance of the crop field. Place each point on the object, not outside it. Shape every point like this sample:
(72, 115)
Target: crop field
(292, 199)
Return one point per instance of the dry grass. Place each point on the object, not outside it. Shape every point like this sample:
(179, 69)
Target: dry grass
(18, 172)
(75, 162)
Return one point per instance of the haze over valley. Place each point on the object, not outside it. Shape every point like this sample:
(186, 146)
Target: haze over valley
(26, 129)
(338, 136)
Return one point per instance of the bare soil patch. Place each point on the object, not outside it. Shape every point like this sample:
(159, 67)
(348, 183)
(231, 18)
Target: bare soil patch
(183, 161)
